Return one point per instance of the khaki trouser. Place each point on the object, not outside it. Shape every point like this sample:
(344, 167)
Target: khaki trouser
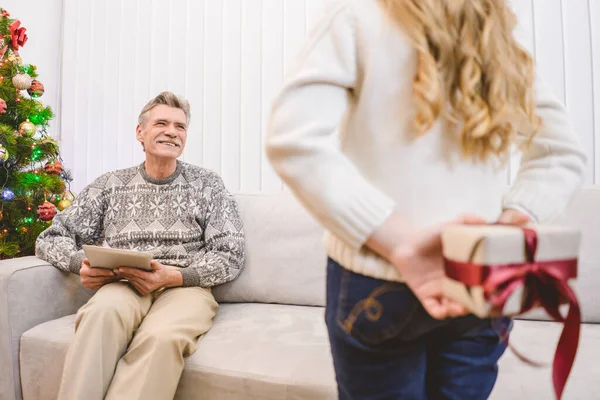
(132, 347)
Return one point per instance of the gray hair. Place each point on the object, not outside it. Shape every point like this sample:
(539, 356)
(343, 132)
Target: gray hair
(168, 99)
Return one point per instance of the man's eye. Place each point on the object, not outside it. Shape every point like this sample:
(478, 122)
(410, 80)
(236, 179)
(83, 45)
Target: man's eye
(160, 123)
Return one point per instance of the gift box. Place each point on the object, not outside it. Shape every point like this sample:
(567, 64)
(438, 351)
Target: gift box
(472, 252)
(496, 270)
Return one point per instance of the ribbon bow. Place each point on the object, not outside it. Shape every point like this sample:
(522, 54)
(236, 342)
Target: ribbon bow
(545, 284)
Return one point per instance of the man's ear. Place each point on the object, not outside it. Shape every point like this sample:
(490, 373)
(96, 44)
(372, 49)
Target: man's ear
(139, 136)
(138, 133)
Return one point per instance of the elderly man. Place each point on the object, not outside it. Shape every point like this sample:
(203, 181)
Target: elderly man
(132, 335)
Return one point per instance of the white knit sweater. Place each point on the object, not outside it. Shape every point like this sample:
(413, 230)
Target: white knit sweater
(340, 138)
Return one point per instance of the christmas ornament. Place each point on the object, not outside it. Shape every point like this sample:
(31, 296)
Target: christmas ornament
(15, 59)
(36, 90)
(2, 106)
(22, 81)
(27, 128)
(49, 140)
(18, 35)
(3, 153)
(68, 196)
(46, 211)
(64, 203)
(8, 194)
(54, 167)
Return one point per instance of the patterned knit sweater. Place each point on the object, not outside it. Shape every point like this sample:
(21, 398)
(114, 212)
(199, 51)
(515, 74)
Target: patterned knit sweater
(188, 219)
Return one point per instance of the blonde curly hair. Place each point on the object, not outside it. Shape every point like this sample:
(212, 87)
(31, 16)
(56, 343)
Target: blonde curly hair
(471, 71)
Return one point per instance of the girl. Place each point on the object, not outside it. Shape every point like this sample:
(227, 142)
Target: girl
(426, 98)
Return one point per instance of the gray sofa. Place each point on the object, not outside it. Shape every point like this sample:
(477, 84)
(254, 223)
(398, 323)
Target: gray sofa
(269, 339)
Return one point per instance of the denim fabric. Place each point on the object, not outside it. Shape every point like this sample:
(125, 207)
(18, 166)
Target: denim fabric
(386, 346)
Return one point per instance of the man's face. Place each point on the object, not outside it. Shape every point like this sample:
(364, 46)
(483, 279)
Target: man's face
(164, 132)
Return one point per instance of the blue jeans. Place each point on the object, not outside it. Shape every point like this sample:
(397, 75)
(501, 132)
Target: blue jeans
(386, 346)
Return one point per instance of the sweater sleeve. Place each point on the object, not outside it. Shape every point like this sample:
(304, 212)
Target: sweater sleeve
(79, 224)
(552, 166)
(301, 142)
(222, 258)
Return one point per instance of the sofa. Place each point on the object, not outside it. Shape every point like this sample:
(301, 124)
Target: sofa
(269, 339)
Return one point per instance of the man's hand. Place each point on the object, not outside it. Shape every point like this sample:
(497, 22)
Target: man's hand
(147, 282)
(95, 278)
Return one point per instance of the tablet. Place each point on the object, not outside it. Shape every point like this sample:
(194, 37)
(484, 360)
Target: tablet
(106, 257)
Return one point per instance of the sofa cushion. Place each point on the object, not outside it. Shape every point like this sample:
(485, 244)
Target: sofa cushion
(264, 351)
(253, 351)
(260, 351)
(285, 260)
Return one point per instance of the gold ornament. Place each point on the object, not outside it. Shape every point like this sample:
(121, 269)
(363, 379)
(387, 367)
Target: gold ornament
(22, 81)
(64, 203)
(49, 140)
(27, 128)
(15, 59)
(68, 196)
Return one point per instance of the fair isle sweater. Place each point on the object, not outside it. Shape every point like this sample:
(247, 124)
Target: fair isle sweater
(187, 220)
(353, 80)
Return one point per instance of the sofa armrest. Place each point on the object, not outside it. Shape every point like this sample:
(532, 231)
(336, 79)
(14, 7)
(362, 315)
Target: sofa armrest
(31, 292)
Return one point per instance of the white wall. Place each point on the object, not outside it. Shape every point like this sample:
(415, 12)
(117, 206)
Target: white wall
(43, 20)
(228, 57)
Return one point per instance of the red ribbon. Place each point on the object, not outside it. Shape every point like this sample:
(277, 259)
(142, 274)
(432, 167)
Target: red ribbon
(545, 284)
(18, 35)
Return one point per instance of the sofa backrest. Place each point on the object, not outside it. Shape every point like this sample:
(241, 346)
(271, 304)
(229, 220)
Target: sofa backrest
(285, 261)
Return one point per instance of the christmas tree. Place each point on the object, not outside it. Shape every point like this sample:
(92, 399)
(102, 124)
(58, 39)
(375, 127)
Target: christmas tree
(33, 182)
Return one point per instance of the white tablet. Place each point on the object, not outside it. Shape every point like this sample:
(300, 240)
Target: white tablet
(106, 257)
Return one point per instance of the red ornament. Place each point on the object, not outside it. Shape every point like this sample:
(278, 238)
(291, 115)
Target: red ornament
(4, 13)
(18, 35)
(36, 89)
(46, 211)
(2, 106)
(54, 167)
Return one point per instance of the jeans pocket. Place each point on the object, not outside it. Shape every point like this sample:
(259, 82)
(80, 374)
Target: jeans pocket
(374, 311)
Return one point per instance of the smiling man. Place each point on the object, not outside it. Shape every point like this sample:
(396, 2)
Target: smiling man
(132, 335)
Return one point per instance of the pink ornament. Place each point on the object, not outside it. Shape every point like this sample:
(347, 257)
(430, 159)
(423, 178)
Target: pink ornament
(2, 106)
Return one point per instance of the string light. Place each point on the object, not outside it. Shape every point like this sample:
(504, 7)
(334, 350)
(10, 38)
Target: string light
(37, 153)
